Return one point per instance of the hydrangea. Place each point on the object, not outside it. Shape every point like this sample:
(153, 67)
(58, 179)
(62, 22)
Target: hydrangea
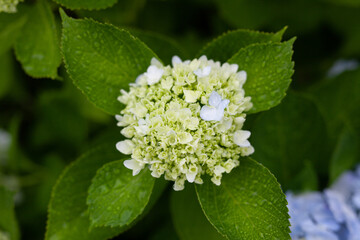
(331, 215)
(186, 120)
(9, 6)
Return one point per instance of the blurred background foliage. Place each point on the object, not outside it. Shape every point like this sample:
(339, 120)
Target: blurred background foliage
(307, 141)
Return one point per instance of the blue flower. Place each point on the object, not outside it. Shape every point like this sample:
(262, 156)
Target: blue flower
(329, 215)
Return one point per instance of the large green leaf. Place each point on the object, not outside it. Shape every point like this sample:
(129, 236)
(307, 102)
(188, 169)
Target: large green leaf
(10, 26)
(86, 4)
(102, 59)
(288, 136)
(8, 223)
(248, 205)
(269, 69)
(116, 197)
(189, 220)
(225, 46)
(68, 213)
(37, 47)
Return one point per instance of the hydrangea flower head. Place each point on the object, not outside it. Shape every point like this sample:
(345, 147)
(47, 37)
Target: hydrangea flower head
(329, 215)
(185, 120)
(9, 6)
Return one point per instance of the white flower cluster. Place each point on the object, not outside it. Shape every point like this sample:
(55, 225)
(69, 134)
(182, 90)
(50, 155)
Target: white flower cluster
(186, 120)
(9, 6)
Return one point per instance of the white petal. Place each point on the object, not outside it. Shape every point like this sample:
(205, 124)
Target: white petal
(141, 79)
(175, 60)
(185, 137)
(240, 136)
(133, 165)
(218, 170)
(216, 180)
(156, 62)
(203, 72)
(242, 76)
(190, 176)
(126, 147)
(223, 104)
(142, 129)
(248, 151)
(234, 68)
(191, 96)
(206, 71)
(245, 143)
(203, 58)
(153, 74)
(179, 185)
(239, 121)
(142, 121)
(155, 174)
(219, 114)
(214, 99)
(118, 117)
(209, 113)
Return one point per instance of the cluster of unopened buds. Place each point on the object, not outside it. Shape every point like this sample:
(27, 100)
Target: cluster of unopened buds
(185, 120)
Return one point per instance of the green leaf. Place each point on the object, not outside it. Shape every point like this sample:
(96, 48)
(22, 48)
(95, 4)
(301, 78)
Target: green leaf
(269, 69)
(116, 197)
(68, 214)
(7, 73)
(350, 3)
(338, 100)
(345, 155)
(263, 14)
(248, 205)
(123, 13)
(37, 47)
(102, 59)
(288, 136)
(8, 223)
(225, 46)
(86, 4)
(189, 220)
(163, 46)
(10, 26)
(62, 109)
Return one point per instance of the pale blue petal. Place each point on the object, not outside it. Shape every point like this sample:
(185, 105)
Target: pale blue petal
(214, 99)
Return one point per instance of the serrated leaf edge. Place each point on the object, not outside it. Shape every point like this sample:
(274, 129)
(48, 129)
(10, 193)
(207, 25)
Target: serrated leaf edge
(291, 41)
(218, 38)
(63, 17)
